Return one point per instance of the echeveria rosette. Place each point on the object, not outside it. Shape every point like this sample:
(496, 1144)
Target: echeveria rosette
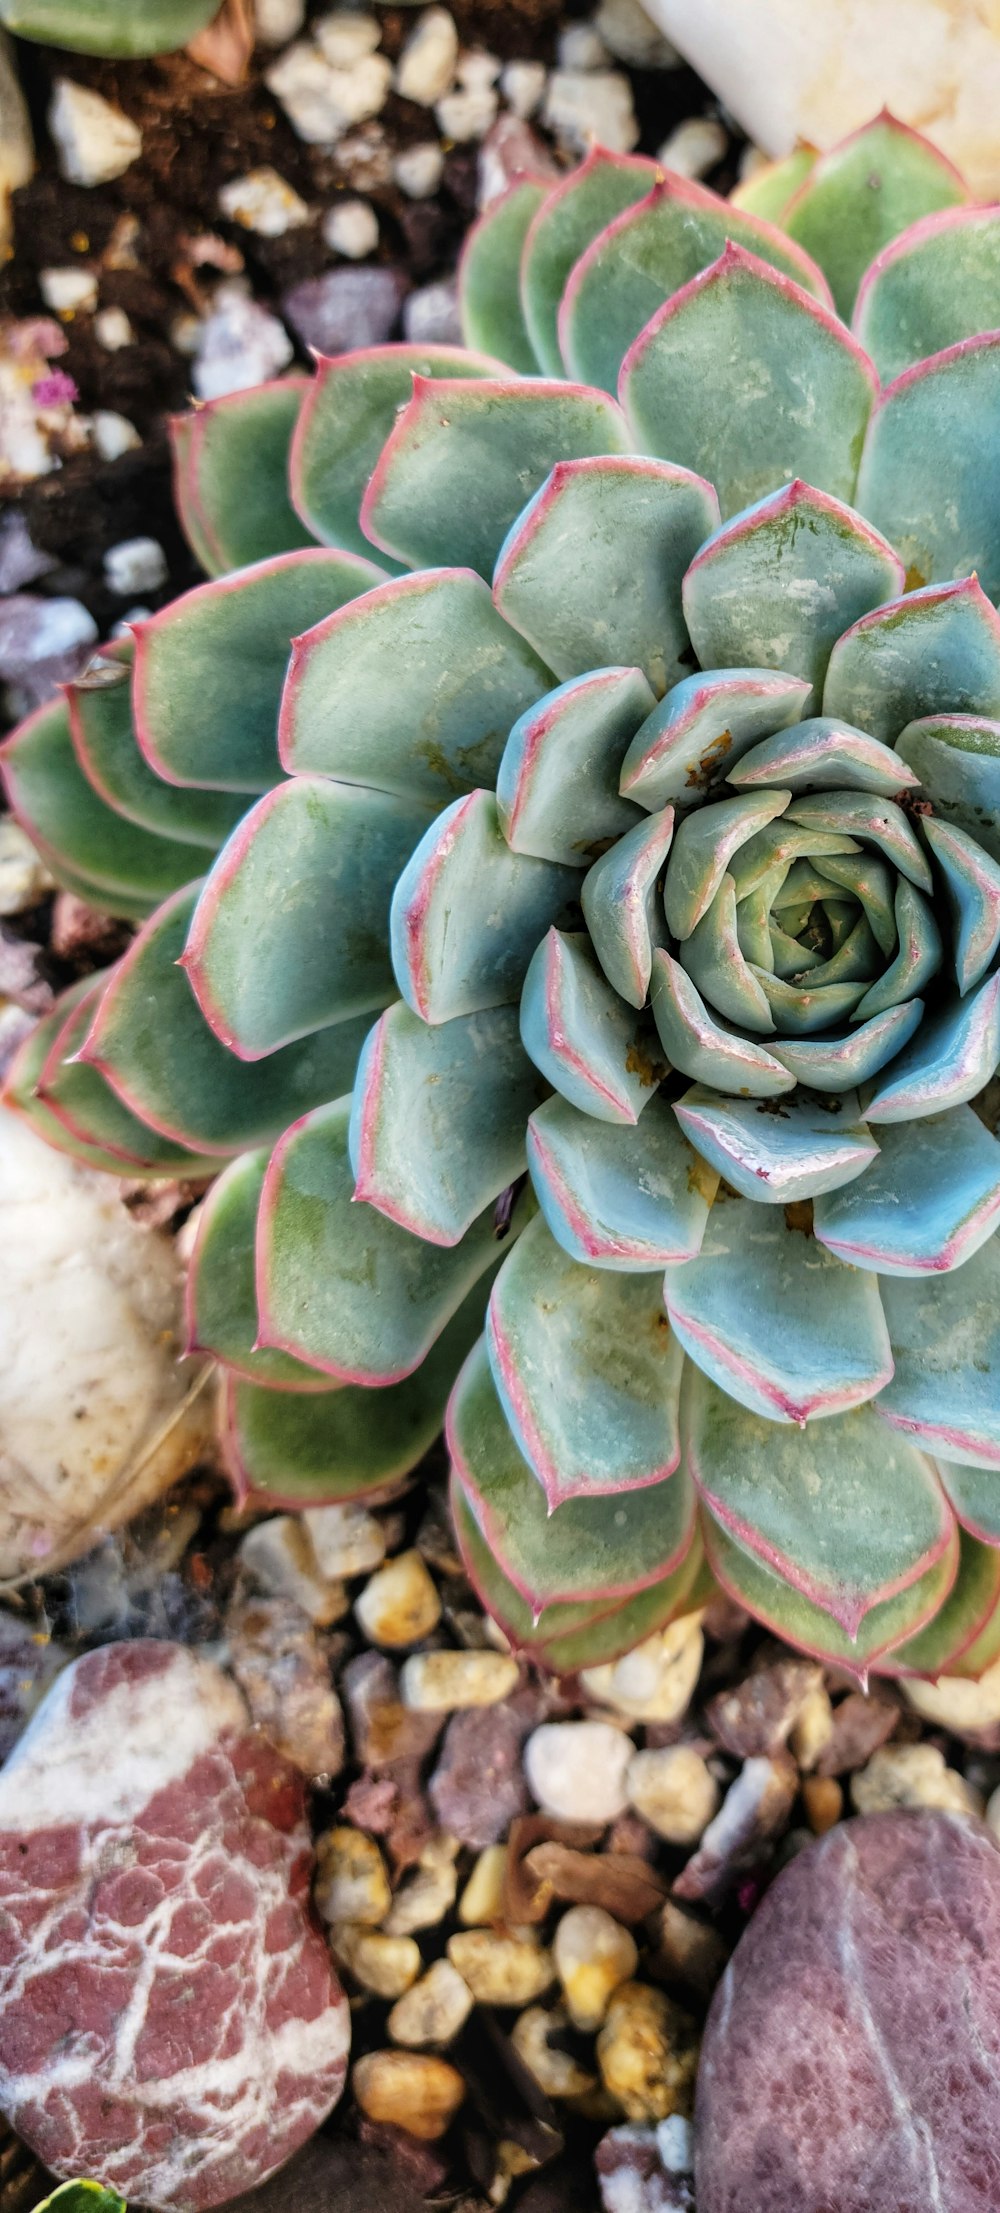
(632, 818)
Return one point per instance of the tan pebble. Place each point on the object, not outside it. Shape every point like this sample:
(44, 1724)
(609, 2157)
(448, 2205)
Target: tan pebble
(812, 1730)
(593, 1955)
(434, 2009)
(656, 1680)
(480, 1901)
(500, 1968)
(556, 2072)
(674, 1790)
(351, 1880)
(385, 1965)
(824, 1802)
(444, 1682)
(399, 1604)
(278, 1554)
(429, 1894)
(647, 2054)
(912, 1775)
(954, 1703)
(411, 2090)
(347, 1540)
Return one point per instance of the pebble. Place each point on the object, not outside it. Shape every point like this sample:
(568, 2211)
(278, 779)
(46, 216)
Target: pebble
(647, 2053)
(638, 2169)
(434, 2009)
(385, 1965)
(593, 1955)
(954, 1703)
(239, 345)
(135, 565)
(620, 1881)
(113, 330)
(399, 1603)
(418, 169)
(755, 1810)
(580, 46)
(29, 1660)
(464, 116)
(477, 69)
(423, 1901)
(632, 35)
(501, 1968)
(346, 1540)
(322, 101)
(427, 65)
(656, 1680)
(441, 1682)
(584, 107)
(43, 643)
(523, 84)
(480, 1901)
(576, 1769)
(512, 149)
(383, 1730)
(824, 1802)
(346, 35)
(276, 21)
(912, 1775)
(346, 308)
(674, 1790)
(264, 202)
(412, 2091)
(278, 1554)
(478, 1787)
(812, 1729)
(21, 561)
(284, 1675)
(94, 141)
(556, 2072)
(114, 435)
(696, 146)
(861, 1723)
(24, 878)
(364, 158)
(350, 227)
(432, 315)
(351, 1882)
(758, 1714)
(690, 1953)
(68, 291)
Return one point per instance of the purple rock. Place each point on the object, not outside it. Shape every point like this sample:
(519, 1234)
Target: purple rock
(346, 308)
(43, 643)
(478, 1786)
(851, 2061)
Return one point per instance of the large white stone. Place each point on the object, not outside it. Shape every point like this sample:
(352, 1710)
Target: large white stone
(95, 141)
(816, 69)
(96, 1418)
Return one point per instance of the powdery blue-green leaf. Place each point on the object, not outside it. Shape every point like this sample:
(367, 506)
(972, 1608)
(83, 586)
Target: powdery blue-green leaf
(619, 1197)
(936, 426)
(586, 1042)
(603, 1545)
(465, 456)
(349, 411)
(438, 1118)
(412, 688)
(90, 1117)
(823, 754)
(770, 190)
(779, 1151)
(975, 1496)
(622, 903)
(747, 378)
(705, 723)
(967, 1629)
(958, 758)
(339, 1284)
(777, 585)
(210, 667)
(799, 1621)
(104, 741)
(629, 614)
(863, 193)
(703, 847)
(574, 213)
(463, 865)
(842, 1511)
(109, 27)
(937, 282)
(706, 1049)
(291, 929)
(231, 475)
(841, 1062)
(925, 1205)
(587, 1369)
(951, 1057)
(935, 652)
(88, 845)
(973, 883)
(489, 297)
(20, 1085)
(557, 786)
(220, 1291)
(945, 1335)
(777, 1322)
(713, 958)
(875, 822)
(919, 956)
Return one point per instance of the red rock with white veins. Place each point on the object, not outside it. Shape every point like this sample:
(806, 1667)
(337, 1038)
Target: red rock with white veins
(169, 2018)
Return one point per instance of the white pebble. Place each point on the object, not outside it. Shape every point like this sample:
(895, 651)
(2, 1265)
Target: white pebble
(467, 115)
(629, 30)
(135, 565)
(385, 1965)
(67, 291)
(593, 1955)
(278, 1554)
(585, 107)
(95, 141)
(399, 1605)
(956, 1703)
(24, 878)
(276, 21)
(418, 170)
(433, 2010)
(238, 345)
(444, 1682)
(346, 1540)
(674, 1790)
(912, 1775)
(322, 102)
(113, 330)
(675, 2144)
(656, 1680)
(522, 84)
(263, 202)
(351, 1880)
(113, 436)
(576, 1769)
(432, 316)
(695, 146)
(428, 62)
(346, 36)
(477, 69)
(350, 227)
(481, 1899)
(581, 47)
(501, 1969)
(429, 1893)
(556, 2072)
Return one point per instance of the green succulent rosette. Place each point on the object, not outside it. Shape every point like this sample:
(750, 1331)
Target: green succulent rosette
(566, 838)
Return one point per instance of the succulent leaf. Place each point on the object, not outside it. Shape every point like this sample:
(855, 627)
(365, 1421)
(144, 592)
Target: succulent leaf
(796, 1617)
(926, 1204)
(938, 418)
(973, 882)
(958, 761)
(619, 1197)
(620, 897)
(703, 1048)
(945, 1336)
(975, 1496)
(936, 283)
(492, 311)
(231, 476)
(935, 652)
(109, 27)
(91, 1114)
(705, 723)
(966, 1620)
(822, 754)
(949, 1059)
(463, 863)
(89, 847)
(557, 783)
(572, 216)
(221, 1295)
(779, 1153)
(104, 741)
(588, 1045)
(862, 194)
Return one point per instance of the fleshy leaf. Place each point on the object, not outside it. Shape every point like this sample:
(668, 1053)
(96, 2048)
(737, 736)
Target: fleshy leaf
(748, 379)
(463, 865)
(777, 585)
(876, 822)
(842, 1062)
(620, 898)
(935, 284)
(587, 1369)
(573, 214)
(465, 456)
(842, 1513)
(704, 845)
(627, 614)
(85, 842)
(793, 1616)
(210, 667)
(231, 475)
(936, 651)
(110, 27)
(705, 723)
(557, 786)
(586, 1042)
(221, 1298)
(963, 1626)
(936, 426)
(490, 302)
(825, 1346)
(291, 929)
(624, 1198)
(20, 1094)
(90, 1115)
(703, 1048)
(769, 191)
(953, 1054)
(958, 760)
(100, 721)
(438, 1119)
(713, 958)
(823, 754)
(973, 882)
(338, 1284)
(925, 1205)
(919, 957)
(945, 1335)
(862, 194)
(975, 1496)
(82, 2197)
(778, 1153)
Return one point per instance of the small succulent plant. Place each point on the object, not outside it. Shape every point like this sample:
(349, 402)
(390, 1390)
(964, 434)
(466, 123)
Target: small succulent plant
(635, 822)
(126, 27)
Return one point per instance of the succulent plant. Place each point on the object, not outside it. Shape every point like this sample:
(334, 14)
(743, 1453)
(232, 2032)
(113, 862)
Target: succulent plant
(635, 822)
(126, 27)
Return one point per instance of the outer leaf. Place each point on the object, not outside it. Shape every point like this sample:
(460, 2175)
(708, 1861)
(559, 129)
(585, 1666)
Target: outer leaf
(844, 1516)
(104, 741)
(793, 1616)
(958, 761)
(951, 1057)
(614, 612)
(620, 897)
(975, 1496)
(936, 651)
(706, 1049)
(841, 1063)
(90, 1116)
(705, 723)
(210, 667)
(573, 214)
(615, 1197)
(578, 1032)
(291, 929)
(220, 1293)
(769, 191)
(587, 1370)
(463, 865)
(438, 1119)
(925, 1205)
(412, 688)
(19, 1091)
(557, 786)
(779, 1153)
(181, 433)
(946, 1344)
(938, 424)
(150, 1041)
(748, 379)
(231, 475)
(936, 283)
(862, 194)
(965, 1624)
(82, 2197)
(823, 754)
(825, 1346)
(87, 845)
(492, 314)
(777, 585)
(109, 27)
(973, 882)
(338, 1284)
